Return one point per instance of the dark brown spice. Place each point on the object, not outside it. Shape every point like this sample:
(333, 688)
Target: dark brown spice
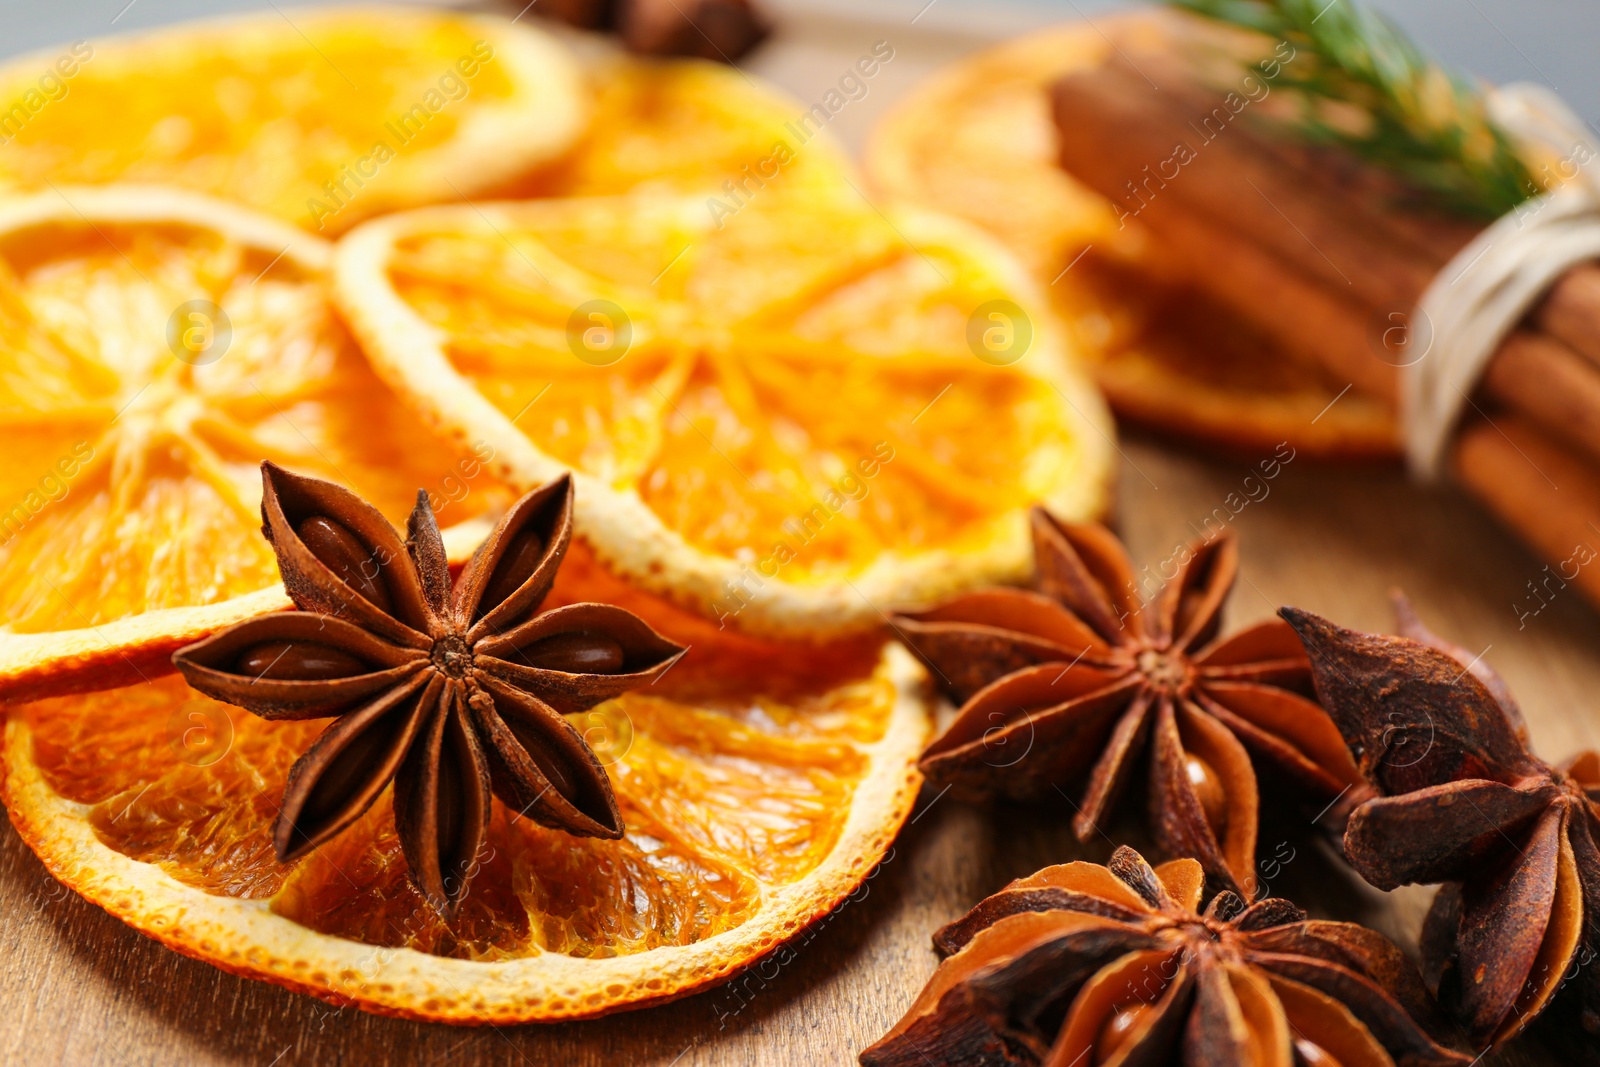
(1462, 801)
(453, 694)
(1082, 965)
(1080, 675)
(718, 30)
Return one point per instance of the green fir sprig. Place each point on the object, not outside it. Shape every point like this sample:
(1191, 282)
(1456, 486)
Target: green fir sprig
(1410, 115)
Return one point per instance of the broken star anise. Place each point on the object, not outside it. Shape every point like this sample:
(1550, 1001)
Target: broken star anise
(1462, 801)
(1083, 673)
(450, 694)
(1080, 965)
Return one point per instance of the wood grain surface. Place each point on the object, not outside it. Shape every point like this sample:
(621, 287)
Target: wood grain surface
(80, 988)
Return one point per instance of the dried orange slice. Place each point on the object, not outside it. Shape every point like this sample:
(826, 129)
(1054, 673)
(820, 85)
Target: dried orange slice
(978, 140)
(155, 346)
(760, 784)
(691, 126)
(322, 118)
(789, 418)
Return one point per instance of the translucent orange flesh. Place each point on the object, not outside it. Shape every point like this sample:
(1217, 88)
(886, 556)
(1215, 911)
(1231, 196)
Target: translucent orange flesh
(795, 390)
(735, 775)
(264, 117)
(688, 124)
(132, 478)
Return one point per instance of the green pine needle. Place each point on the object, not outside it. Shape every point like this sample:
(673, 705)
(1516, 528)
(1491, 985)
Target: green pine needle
(1418, 120)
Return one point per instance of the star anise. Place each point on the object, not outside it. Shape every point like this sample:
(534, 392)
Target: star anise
(710, 29)
(1082, 673)
(1080, 965)
(448, 693)
(1462, 801)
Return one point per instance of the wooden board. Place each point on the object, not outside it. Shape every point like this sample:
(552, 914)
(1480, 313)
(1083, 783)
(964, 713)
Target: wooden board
(80, 988)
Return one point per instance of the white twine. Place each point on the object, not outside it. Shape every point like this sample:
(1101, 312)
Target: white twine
(1481, 295)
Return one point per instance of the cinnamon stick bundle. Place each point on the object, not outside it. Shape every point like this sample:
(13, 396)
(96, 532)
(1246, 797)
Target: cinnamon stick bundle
(1324, 260)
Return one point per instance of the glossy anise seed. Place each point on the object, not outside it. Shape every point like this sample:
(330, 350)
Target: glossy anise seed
(296, 661)
(346, 557)
(575, 654)
(1079, 965)
(1307, 1054)
(1208, 790)
(515, 567)
(1118, 1028)
(418, 698)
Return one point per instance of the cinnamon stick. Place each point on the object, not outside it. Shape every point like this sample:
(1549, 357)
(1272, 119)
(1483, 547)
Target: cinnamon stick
(1391, 206)
(1571, 311)
(1551, 386)
(1295, 312)
(1216, 215)
(1545, 495)
(1177, 149)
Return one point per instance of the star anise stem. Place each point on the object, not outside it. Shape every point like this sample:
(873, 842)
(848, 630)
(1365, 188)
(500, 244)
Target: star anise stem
(452, 692)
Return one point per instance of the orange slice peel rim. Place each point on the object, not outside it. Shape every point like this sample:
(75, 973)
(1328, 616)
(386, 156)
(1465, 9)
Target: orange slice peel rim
(495, 145)
(408, 352)
(123, 650)
(246, 938)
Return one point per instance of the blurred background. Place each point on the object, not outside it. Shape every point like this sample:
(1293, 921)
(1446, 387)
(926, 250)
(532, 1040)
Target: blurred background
(1549, 41)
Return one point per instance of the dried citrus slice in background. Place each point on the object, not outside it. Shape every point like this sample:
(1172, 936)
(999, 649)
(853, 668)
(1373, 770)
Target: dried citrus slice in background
(155, 347)
(322, 118)
(790, 418)
(978, 141)
(692, 126)
(760, 784)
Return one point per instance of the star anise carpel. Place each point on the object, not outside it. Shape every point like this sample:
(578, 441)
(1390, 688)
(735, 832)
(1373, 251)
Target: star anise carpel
(1462, 801)
(453, 692)
(1081, 674)
(1080, 965)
